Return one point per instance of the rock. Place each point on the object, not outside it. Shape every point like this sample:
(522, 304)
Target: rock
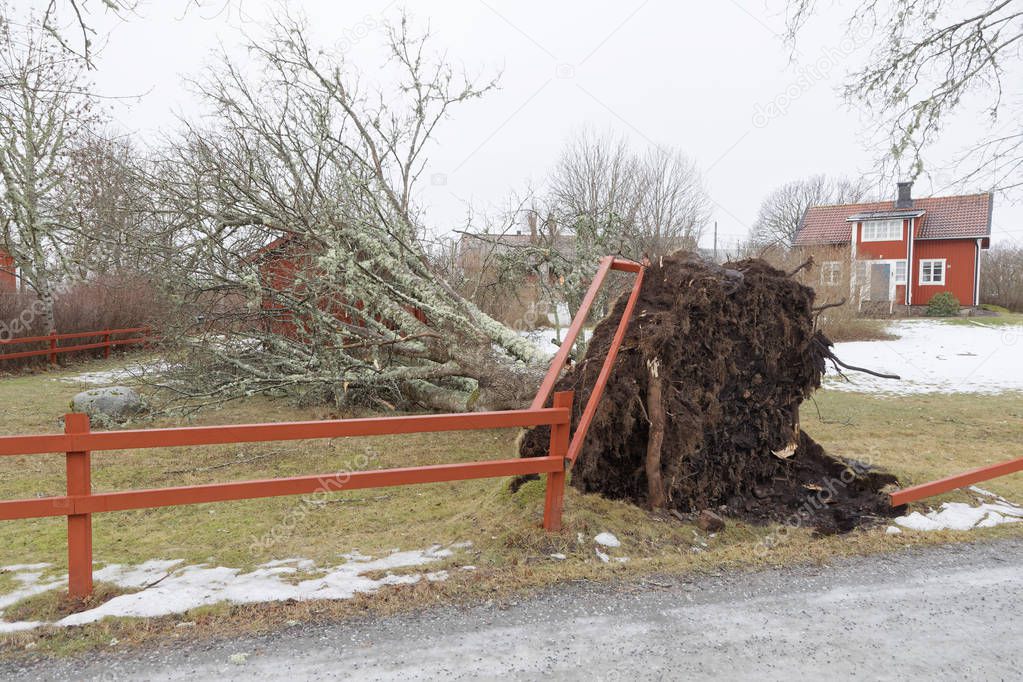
(608, 540)
(116, 403)
(710, 522)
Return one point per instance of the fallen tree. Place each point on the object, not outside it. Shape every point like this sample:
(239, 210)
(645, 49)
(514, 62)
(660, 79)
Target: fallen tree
(702, 407)
(292, 240)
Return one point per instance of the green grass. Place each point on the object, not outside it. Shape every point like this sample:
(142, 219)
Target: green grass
(1001, 320)
(919, 438)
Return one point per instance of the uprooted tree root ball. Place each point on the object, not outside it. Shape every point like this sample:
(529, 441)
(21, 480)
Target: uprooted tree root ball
(702, 408)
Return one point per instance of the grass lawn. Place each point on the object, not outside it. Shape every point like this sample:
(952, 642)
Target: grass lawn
(1001, 320)
(919, 438)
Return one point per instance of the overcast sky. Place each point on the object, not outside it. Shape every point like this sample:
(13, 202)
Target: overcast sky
(701, 76)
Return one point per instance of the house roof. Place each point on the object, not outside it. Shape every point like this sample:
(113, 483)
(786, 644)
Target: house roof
(959, 217)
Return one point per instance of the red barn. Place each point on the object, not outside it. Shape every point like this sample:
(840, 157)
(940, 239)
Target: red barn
(903, 252)
(8, 272)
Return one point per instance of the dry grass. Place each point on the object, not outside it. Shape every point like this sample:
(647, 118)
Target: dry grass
(51, 606)
(919, 438)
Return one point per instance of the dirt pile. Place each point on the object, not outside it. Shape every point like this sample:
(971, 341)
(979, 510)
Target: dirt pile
(702, 408)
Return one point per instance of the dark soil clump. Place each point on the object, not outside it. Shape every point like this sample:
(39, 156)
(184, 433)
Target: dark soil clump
(702, 408)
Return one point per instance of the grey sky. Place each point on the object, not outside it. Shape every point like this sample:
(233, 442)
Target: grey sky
(708, 77)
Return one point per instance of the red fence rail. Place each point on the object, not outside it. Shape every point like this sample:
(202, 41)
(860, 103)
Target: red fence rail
(944, 485)
(55, 349)
(78, 442)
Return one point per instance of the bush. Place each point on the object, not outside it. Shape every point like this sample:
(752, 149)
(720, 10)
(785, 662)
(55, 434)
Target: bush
(943, 305)
(104, 303)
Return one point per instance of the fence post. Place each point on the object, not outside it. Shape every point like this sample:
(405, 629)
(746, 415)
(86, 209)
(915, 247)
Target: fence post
(79, 526)
(555, 500)
(53, 348)
(106, 348)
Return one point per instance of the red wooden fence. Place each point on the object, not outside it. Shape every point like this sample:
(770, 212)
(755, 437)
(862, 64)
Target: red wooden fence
(55, 349)
(944, 485)
(77, 442)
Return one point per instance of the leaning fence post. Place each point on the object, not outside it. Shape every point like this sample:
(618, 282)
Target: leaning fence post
(106, 348)
(79, 526)
(53, 348)
(555, 500)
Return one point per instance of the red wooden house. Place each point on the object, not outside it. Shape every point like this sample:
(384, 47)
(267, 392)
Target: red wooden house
(280, 263)
(902, 252)
(8, 272)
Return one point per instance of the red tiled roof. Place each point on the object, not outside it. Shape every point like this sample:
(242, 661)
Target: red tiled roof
(957, 217)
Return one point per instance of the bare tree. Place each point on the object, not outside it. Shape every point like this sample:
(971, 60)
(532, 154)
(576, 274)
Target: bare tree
(109, 211)
(927, 58)
(70, 23)
(614, 201)
(1001, 276)
(297, 241)
(674, 208)
(45, 107)
(780, 214)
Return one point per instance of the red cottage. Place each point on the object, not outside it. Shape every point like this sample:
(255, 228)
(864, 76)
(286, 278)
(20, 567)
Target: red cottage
(279, 264)
(901, 252)
(8, 272)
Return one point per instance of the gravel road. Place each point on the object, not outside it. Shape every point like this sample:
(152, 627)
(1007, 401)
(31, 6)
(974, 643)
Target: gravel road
(941, 613)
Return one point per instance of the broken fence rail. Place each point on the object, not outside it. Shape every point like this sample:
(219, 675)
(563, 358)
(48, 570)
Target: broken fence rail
(944, 485)
(78, 442)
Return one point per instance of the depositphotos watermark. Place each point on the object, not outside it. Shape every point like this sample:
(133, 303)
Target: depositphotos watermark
(23, 321)
(810, 74)
(823, 494)
(328, 484)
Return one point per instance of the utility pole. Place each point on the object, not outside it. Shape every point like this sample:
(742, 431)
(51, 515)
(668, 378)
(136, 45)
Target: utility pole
(715, 241)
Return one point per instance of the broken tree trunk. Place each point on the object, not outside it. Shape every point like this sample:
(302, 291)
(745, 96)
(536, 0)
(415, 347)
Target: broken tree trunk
(655, 412)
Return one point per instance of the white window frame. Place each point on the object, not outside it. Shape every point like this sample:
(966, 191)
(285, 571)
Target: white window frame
(831, 273)
(931, 262)
(895, 270)
(871, 227)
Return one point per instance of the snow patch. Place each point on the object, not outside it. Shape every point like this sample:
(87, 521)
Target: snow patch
(607, 540)
(30, 576)
(962, 516)
(935, 357)
(111, 377)
(548, 339)
(165, 587)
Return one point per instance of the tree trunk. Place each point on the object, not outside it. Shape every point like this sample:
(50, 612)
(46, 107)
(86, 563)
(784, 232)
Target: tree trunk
(655, 413)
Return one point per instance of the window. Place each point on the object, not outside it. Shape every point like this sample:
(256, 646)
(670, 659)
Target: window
(900, 272)
(882, 230)
(932, 271)
(831, 272)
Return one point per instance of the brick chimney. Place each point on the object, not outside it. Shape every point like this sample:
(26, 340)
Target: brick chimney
(905, 198)
(532, 227)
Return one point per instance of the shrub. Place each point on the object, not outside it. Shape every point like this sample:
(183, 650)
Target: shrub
(943, 305)
(106, 302)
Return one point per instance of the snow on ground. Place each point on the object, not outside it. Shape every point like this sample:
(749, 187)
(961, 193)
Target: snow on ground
(934, 357)
(546, 338)
(111, 377)
(963, 516)
(165, 587)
